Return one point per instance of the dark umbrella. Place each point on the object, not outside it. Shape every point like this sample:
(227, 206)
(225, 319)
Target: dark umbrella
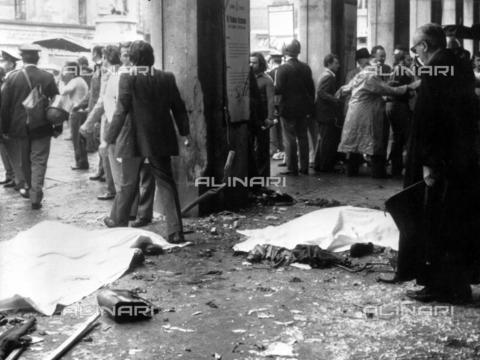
(62, 43)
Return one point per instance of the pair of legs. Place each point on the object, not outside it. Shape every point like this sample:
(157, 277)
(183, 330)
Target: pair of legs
(296, 130)
(79, 142)
(326, 153)
(7, 162)
(135, 194)
(161, 170)
(398, 114)
(30, 158)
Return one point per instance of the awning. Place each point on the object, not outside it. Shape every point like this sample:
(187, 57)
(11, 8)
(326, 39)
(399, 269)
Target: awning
(62, 43)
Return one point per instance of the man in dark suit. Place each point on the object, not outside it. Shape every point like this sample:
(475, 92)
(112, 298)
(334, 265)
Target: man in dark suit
(9, 63)
(295, 92)
(328, 113)
(32, 147)
(443, 252)
(152, 97)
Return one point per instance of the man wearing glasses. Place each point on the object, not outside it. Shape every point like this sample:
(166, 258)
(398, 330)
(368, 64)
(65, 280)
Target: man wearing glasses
(443, 254)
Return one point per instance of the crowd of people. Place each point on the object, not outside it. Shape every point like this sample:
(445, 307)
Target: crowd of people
(429, 108)
(100, 104)
(429, 115)
(323, 128)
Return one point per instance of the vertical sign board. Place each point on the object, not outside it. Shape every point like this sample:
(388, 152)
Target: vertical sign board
(237, 48)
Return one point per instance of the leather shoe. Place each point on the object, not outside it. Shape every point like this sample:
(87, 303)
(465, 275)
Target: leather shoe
(6, 181)
(106, 196)
(79, 167)
(282, 165)
(140, 223)
(36, 206)
(24, 193)
(293, 173)
(97, 177)
(9, 184)
(176, 238)
(110, 223)
(424, 295)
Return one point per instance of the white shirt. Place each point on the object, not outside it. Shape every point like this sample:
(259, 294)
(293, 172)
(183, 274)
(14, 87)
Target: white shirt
(74, 93)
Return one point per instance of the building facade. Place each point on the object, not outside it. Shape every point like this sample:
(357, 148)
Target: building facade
(26, 21)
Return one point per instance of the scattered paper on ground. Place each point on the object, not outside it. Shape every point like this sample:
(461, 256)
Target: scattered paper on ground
(56, 264)
(334, 229)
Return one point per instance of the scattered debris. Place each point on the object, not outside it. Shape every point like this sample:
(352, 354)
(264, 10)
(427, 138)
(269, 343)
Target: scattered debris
(217, 356)
(296, 280)
(214, 272)
(169, 328)
(197, 313)
(277, 349)
(359, 250)
(212, 304)
(124, 305)
(12, 338)
(271, 217)
(84, 329)
(239, 331)
(323, 203)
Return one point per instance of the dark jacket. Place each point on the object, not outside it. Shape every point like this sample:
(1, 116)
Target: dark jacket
(294, 83)
(327, 105)
(444, 123)
(95, 86)
(151, 100)
(14, 92)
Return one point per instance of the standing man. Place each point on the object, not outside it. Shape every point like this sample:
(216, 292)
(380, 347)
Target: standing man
(379, 56)
(442, 253)
(154, 103)
(267, 109)
(398, 110)
(277, 149)
(328, 116)
(296, 93)
(32, 146)
(95, 87)
(74, 93)
(9, 63)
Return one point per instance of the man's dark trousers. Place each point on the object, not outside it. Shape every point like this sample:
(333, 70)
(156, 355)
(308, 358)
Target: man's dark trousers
(296, 130)
(79, 142)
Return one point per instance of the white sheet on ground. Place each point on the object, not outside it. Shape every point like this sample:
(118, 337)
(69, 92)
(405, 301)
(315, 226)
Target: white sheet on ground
(334, 229)
(54, 263)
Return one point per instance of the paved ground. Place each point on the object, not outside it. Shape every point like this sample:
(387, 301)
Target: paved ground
(324, 314)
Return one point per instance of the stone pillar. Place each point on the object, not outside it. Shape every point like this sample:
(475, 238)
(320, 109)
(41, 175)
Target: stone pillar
(448, 12)
(420, 14)
(91, 12)
(315, 32)
(381, 21)
(468, 20)
(189, 40)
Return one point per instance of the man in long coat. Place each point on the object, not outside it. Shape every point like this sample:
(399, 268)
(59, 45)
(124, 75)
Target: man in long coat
(441, 252)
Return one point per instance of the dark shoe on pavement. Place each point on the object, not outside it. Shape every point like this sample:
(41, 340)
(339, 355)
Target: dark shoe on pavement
(76, 167)
(10, 184)
(293, 173)
(176, 238)
(24, 193)
(110, 223)
(282, 165)
(106, 196)
(424, 295)
(140, 223)
(97, 177)
(6, 181)
(36, 206)
(393, 280)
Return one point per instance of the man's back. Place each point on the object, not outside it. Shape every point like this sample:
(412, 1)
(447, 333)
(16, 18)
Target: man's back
(15, 91)
(294, 83)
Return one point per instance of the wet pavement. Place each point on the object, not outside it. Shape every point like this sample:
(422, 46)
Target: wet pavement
(213, 306)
